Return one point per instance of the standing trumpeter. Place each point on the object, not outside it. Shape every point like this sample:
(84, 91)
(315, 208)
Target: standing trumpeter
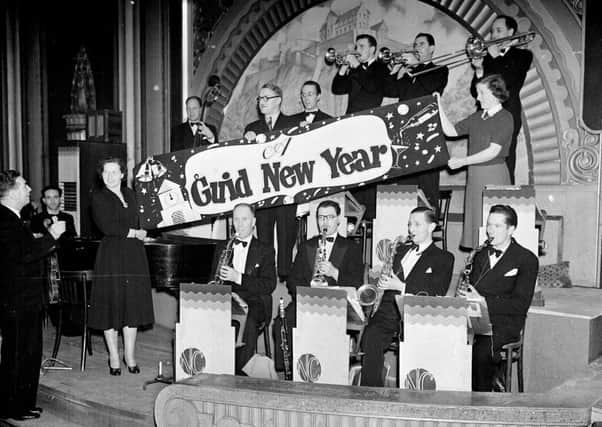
(365, 80)
(432, 78)
(419, 268)
(512, 64)
(252, 276)
(339, 263)
(502, 279)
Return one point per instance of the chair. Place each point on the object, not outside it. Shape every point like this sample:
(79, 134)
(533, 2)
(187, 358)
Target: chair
(513, 352)
(73, 296)
(442, 215)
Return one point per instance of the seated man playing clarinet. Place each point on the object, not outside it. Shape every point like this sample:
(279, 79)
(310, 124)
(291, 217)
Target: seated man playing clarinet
(325, 260)
(418, 268)
(252, 275)
(503, 278)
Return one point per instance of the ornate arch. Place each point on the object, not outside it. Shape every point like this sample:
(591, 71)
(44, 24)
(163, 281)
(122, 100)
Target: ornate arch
(549, 121)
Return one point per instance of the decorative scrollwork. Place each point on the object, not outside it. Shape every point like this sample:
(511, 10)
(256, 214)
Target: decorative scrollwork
(583, 164)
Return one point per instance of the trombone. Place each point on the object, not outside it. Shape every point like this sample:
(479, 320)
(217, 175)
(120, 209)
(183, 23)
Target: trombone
(475, 47)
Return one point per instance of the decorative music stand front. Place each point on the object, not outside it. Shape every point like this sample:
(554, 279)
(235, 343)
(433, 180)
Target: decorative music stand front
(321, 343)
(435, 354)
(204, 335)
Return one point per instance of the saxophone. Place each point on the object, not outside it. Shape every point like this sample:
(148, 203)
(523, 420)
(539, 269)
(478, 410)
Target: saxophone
(370, 295)
(464, 279)
(286, 353)
(225, 260)
(318, 279)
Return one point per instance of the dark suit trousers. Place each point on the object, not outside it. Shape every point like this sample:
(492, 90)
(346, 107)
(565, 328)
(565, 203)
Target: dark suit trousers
(511, 159)
(255, 317)
(483, 365)
(378, 335)
(286, 226)
(21, 358)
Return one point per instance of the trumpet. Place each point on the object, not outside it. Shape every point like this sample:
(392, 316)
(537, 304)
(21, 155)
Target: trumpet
(475, 47)
(387, 56)
(339, 58)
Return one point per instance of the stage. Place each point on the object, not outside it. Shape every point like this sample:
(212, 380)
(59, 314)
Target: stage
(95, 398)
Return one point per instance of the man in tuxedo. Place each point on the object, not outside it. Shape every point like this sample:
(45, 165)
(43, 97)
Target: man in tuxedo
(342, 265)
(503, 279)
(419, 269)
(193, 132)
(310, 97)
(21, 299)
(252, 276)
(409, 86)
(365, 80)
(269, 102)
(512, 64)
(51, 201)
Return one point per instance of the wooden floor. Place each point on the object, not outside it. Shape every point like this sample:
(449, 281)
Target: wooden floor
(95, 398)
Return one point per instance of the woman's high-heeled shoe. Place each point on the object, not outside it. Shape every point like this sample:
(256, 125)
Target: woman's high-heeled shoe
(114, 371)
(132, 369)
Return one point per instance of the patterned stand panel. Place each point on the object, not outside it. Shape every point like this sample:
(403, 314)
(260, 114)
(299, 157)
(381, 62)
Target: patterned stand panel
(321, 343)
(393, 206)
(522, 199)
(434, 354)
(204, 335)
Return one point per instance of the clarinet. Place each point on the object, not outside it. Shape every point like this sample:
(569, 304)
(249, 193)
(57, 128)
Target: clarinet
(288, 373)
(225, 260)
(464, 280)
(318, 278)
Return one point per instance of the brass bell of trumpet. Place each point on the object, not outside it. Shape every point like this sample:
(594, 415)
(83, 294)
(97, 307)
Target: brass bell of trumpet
(333, 57)
(387, 56)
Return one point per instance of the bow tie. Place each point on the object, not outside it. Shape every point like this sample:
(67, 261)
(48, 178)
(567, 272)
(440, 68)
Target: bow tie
(364, 65)
(242, 242)
(195, 123)
(413, 247)
(330, 239)
(492, 251)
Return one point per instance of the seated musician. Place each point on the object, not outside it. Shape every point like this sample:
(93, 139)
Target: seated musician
(342, 265)
(420, 268)
(252, 276)
(503, 279)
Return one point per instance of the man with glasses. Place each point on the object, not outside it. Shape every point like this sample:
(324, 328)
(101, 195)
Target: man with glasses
(269, 102)
(310, 97)
(342, 264)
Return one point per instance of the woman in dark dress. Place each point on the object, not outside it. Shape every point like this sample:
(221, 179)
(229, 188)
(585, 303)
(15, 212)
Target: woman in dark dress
(121, 292)
(489, 136)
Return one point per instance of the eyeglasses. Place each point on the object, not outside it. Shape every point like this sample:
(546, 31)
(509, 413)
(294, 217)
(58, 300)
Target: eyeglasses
(326, 217)
(266, 98)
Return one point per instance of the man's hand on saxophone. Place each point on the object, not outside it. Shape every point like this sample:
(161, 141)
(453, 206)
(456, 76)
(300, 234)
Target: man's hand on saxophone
(391, 283)
(229, 274)
(328, 269)
(471, 293)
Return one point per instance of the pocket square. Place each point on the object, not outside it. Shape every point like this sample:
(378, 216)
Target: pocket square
(511, 273)
(256, 265)
(428, 270)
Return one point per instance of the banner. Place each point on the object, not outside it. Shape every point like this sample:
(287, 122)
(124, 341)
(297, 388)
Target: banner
(291, 166)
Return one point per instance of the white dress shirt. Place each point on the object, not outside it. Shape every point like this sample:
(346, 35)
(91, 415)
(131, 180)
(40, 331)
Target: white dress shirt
(412, 256)
(239, 258)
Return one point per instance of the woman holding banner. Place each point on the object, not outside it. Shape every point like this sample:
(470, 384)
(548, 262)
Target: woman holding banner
(489, 135)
